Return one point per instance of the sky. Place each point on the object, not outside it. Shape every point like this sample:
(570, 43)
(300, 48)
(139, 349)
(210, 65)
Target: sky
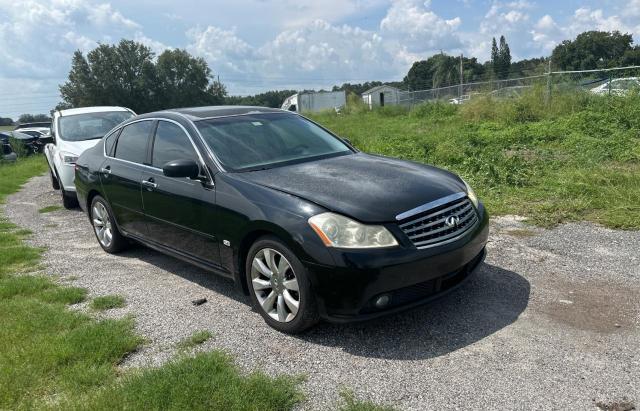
(259, 45)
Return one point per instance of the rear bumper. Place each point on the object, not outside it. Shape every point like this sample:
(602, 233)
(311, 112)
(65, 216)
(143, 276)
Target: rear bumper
(409, 277)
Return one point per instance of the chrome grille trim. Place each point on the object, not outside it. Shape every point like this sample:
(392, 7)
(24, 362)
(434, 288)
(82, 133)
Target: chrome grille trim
(431, 205)
(430, 230)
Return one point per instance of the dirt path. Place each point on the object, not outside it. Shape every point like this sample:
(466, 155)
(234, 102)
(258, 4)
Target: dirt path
(551, 321)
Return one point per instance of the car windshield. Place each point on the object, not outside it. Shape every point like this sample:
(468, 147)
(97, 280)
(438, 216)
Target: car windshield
(89, 126)
(259, 141)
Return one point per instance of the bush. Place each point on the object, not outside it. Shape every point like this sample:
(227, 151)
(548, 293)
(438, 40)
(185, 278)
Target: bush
(435, 110)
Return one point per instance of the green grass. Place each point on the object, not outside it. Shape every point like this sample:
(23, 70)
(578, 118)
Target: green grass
(205, 381)
(6, 128)
(107, 302)
(195, 339)
(54, 357)
(49, 209)
(577, 158)
(351, 403)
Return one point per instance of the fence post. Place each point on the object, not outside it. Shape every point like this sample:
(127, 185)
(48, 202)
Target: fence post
(548, 96)
(461, 78)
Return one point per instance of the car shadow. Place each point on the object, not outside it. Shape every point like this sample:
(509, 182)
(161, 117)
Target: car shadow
(490, 301)
(189, 272)
(493, 299)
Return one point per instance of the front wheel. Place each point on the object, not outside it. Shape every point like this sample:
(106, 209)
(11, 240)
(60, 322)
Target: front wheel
(104, 226)
(279, 286)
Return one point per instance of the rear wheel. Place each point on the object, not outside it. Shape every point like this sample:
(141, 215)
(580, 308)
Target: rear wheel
(104, 226)
(279, 286)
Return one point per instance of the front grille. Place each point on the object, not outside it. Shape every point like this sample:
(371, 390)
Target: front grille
(429, 228)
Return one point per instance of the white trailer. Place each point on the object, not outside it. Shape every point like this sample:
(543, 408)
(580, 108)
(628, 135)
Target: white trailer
(315, 101)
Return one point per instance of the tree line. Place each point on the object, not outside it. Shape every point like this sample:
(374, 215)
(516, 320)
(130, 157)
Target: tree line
(129, 74)
(590, 50)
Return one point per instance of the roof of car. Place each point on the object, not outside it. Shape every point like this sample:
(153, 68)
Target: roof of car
(198, 113)
(95, 109)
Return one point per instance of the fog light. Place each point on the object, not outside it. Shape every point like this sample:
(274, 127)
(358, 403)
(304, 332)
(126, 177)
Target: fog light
(382, 301)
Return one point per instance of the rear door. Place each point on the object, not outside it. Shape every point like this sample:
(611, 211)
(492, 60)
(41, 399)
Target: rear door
(121, 174)
(180, 211)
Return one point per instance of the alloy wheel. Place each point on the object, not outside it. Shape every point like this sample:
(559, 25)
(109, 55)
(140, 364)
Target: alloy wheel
(275, 285)
(102, 224)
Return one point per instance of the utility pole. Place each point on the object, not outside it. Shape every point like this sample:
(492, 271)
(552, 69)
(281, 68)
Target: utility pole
(461, 77)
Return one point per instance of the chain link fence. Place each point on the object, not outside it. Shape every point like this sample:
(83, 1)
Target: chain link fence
(618, 80)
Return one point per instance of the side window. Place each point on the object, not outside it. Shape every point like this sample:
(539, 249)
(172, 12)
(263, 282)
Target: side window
(171, 143)
(110, 142)
(132, 143)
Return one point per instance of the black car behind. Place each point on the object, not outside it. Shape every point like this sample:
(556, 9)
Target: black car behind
(304, 223)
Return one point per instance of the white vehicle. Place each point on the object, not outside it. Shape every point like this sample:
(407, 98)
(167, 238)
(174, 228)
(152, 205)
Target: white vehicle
(315, 101)
(74, 131)
(618, 86)
(460, 100)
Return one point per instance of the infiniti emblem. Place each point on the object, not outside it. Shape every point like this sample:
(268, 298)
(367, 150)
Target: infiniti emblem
(452, 221)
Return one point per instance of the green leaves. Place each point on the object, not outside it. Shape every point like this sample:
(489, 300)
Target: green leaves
(127, 75)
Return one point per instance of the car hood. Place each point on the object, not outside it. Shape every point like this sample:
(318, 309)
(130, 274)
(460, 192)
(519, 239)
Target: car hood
(366, 187)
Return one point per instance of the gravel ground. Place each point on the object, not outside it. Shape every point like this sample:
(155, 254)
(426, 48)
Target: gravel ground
(551, 321)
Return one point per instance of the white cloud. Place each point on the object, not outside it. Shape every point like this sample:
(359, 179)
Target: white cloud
(103, 15)
(546, 34)
(38, 38)
(317, 55)
(585, 18)
(419, 28)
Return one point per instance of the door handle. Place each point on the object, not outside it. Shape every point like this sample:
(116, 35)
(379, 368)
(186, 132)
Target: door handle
(149, 183)
(106, 170)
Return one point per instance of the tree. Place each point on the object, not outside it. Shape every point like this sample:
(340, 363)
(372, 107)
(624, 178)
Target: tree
(594, 50)
(126, 75)
(442, 70)
(267, 99)
(505, 58)
(6, 121)
(183, 80)
(500, 58)
(31, 118)
(495, 56)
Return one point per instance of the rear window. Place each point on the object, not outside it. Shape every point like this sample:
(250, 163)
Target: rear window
(132, 143)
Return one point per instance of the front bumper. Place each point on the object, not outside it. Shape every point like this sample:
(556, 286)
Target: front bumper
(347, 292)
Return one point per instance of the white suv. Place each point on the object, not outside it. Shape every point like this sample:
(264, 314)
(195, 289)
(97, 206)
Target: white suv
(74, 131)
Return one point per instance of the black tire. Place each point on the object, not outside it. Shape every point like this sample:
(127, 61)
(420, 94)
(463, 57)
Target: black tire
(307, 315)
(54, 181)
(118, 241)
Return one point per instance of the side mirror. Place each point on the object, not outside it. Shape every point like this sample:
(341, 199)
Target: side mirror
(181, 169)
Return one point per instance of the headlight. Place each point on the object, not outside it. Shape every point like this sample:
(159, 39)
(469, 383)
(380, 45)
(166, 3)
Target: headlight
(471, 194)
(338, 231)
(68, 158)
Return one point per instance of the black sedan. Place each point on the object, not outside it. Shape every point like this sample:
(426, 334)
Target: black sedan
(304, 223)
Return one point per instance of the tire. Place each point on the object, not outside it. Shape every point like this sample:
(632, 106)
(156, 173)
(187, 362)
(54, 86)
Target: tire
(282, 284)
(54, 181)
(100, 211)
